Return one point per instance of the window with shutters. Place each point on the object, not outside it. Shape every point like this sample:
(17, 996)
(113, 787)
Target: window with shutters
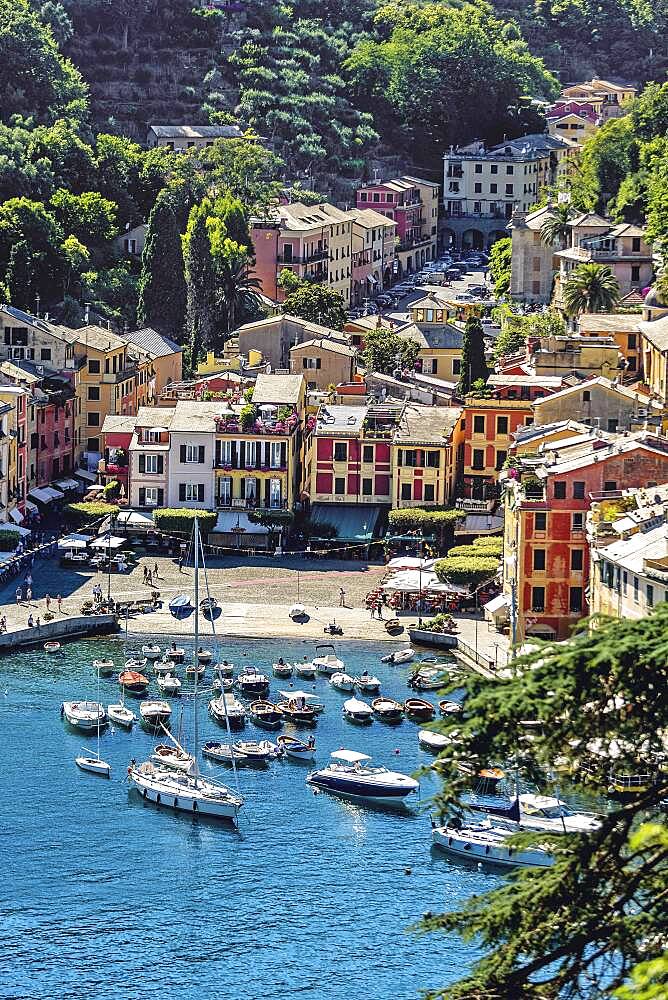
(151, 496)
(275, 498)
(275, 455)
(367, 453)
(367, 487)
(428, 492)
(406, 491)
(251, 454)
(226, 452)
(193, 492)
(224, 491)
(250, 488)
(339, 485)
(194, 453)
(152, 464)
(340, 451)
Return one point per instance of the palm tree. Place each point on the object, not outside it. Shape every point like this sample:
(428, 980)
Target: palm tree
(555, 229)
(590, 288)
(236, 289)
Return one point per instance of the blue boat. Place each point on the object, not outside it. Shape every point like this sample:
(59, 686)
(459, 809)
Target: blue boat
(180, 606)
(350, 776)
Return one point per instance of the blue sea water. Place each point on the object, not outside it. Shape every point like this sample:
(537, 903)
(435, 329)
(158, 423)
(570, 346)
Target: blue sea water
(104, 895)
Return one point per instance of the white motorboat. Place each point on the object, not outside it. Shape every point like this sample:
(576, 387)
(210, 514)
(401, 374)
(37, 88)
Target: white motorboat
(173, 757)
(305, 669)
(223, 669)
(137, 663)
(241, 752)
(195, 671)
(227, 708)
(164, 667)
(326, 661)
(296, 612)
(447, 707)
(52, 647)
(176, 653)
(169, 684)
(151, 652)
(187, 790)
(259, 751)
(282, 669)
(184, 791)
(84, 715)
(252, 682)
(222, 684)
(121, 715)
(104, 667)
(154, 714)
(367, 682)
(296, 749)
(350, 775)
(429, 678)
(434, 742)
(388, 709)
(93, 764)
(399, 656)
(357, 710)
(204, 655)
(484, 842)
(540, 813)
(342, 682)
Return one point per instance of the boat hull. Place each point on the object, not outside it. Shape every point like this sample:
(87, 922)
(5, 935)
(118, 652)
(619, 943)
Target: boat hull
(351, 789)
(447, 840)
(183, 800)
(94, 766)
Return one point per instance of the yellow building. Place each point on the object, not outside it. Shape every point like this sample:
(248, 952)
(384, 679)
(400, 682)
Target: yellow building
(258, 457)
(107, 385)
(12, 406)
(426, 452)
(439, 340)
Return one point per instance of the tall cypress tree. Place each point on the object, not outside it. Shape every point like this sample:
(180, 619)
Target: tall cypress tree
(200, 281)
(162, 284)
(474, 366)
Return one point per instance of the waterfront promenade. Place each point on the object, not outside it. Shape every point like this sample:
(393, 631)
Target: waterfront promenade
(255, 596)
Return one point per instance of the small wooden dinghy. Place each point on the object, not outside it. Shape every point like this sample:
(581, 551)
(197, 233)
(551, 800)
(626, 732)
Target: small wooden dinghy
(281, 669)
(296, 749)
(387, 709)
(52, 647)
(265, 714)
(419, 710)
(104, 667)
(446, 707)
(133, 681)
(172, 757)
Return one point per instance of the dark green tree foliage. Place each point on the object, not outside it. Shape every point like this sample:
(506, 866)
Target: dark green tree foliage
(474, 366)
(233, 217)
(429, 75)
(500, 257)
(387, 352)
(316, 303)
(200, 281)
(162, 286)
(580, 928)
(34, 78)
(29, 229)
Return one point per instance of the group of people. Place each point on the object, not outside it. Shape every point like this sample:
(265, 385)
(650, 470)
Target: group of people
(150, 575)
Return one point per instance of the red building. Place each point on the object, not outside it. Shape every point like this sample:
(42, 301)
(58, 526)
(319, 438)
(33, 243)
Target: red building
(547, 499)
(117, 431)
(52, 431)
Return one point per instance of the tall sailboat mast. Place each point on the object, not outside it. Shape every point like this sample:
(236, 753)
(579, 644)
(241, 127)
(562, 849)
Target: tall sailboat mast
(196, 637)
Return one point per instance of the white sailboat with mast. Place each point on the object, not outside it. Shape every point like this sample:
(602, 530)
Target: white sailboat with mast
(187, 791)
(93, 762)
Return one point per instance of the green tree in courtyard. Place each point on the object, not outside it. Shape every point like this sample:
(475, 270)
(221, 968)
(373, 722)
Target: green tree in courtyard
(500, 258)
(474, 366)
(316, 303)
(386, 352)
(162, 284)
(236, 291)
(590, 288)
(596, 922)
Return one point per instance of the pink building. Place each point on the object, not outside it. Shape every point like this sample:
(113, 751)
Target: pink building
(117, 431)
(412, 204)
(52, 436)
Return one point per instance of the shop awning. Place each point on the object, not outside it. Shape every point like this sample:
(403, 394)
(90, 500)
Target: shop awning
(7, 526)
(230, 521)
(74, 542)
(497, 604)
(353, 522)
(88, 477)
(108, 542)
(31, 507)
(44, 494)
(67, 484)
(16, 515)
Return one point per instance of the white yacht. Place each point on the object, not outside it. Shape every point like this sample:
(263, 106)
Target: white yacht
(155, 714)
(342, 682)
(350, 775)
(367, 682)
(357, 710)
(326, 661)
(305, 669)
(485, 842)
(542, 813)
(169, 684)
(84, 715)
(227, 708)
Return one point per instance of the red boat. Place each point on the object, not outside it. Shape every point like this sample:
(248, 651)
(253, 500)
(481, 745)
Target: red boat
(133, 681)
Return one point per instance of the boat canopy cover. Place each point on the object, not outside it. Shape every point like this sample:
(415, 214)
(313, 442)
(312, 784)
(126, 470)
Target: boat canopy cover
(349, 756)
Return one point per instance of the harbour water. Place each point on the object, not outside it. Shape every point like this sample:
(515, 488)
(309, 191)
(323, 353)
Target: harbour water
(105, 896)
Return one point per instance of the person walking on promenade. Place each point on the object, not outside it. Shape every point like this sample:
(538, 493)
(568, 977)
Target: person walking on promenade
(145, 577)
(59, 602)
(19, 594)
(29, 580)
(342, 597)
(149, 578)
(29, 594)
(156, 575)
(47, 601)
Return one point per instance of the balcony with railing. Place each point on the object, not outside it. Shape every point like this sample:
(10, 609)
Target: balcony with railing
(225, 502)
(309, 258)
